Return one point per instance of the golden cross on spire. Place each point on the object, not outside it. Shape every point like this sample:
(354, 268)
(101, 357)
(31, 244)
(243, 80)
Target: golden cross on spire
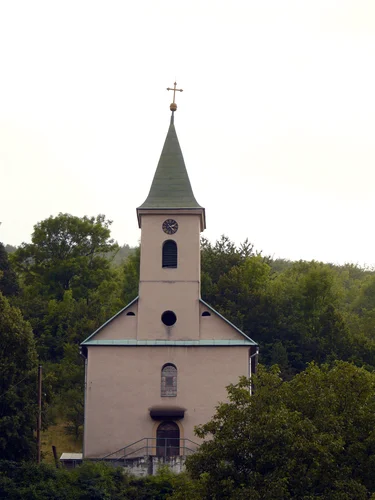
(173, 106)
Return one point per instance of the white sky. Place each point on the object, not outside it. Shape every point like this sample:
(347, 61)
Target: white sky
(276, 121)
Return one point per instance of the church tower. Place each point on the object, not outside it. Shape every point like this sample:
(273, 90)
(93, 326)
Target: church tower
(159, 367)
(171, 221)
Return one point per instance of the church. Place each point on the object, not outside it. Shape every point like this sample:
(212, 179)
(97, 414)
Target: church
(159, 367)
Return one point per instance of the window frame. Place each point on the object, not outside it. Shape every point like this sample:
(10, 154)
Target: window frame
(168, 382)
(169, 260)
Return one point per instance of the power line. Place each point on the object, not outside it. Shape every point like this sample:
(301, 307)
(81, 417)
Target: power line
(15, 385)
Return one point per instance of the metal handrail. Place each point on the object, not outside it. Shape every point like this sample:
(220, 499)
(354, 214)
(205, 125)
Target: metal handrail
(151, 445)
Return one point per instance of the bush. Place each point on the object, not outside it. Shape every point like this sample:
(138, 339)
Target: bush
(90, 481)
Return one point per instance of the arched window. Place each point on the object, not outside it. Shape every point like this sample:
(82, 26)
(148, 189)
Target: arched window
(170, 254)
(206, 313)
(168, 440)
(169, 380)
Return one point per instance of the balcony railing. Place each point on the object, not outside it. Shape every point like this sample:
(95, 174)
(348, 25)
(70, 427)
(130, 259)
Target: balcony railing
(168, 447)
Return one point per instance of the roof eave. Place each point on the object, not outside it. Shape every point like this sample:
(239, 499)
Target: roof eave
(172, 210)
(171, 343)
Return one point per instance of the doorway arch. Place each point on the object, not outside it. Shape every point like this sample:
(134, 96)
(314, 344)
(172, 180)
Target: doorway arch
(168, 440)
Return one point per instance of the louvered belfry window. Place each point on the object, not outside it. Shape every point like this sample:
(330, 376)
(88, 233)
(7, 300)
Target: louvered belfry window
(170, 254)
(169, 380)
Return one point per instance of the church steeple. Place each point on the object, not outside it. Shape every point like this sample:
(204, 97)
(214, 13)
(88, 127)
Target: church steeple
(171, 186)
(171, 189)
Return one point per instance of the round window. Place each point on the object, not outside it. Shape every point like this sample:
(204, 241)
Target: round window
(169, 318)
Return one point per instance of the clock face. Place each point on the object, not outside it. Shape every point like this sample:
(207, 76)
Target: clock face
(170, 226)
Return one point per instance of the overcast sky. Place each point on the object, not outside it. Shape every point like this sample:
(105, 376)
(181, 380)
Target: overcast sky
(276, 121)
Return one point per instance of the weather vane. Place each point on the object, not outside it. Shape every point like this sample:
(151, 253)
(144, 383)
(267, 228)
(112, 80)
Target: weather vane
(173, 106)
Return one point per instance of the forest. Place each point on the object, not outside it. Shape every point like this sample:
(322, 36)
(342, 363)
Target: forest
(307, 432)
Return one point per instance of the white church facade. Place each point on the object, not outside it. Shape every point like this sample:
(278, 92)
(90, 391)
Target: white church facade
(159, 367)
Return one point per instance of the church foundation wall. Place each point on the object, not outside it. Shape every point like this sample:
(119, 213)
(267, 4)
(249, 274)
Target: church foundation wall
(149, 465)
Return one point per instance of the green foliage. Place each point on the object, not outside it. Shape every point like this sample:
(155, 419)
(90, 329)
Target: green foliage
(219, 259)
(10, 248)
(18, 363)
(91, 481)
(306, 317)
(72, 278)
(69, 286)
(8, 280)
(69, 385)
(298, 312)
(34, 482)
(307, 438)
(131, 276)
(241, 290)
(66, 253)
(122, 254)
(363, 309)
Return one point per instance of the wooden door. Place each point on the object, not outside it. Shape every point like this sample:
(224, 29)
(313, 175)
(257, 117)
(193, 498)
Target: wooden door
(168, 440)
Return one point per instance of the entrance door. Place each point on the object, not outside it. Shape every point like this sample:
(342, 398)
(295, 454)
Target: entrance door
(168, 440)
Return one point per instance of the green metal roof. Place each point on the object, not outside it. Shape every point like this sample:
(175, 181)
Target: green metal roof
(171, 186)
(175, 343)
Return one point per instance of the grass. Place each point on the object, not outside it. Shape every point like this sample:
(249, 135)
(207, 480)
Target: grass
(57, 436)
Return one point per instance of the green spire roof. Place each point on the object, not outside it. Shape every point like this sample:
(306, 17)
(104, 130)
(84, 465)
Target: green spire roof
(171, 186)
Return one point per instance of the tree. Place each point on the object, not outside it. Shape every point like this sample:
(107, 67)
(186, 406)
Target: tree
(238, 294)
(10, 248)
(18, 363)
(122, 254)
(302, 311)
(66, 253)
(312, 437)
(131, 276)
(219, 259)
(69, 285)
(91, 481)
(298, 312)
(69, 389)
(8, 279)
(364, 307)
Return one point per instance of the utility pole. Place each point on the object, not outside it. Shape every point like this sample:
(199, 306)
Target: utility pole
(54, 451)
(39, 421)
